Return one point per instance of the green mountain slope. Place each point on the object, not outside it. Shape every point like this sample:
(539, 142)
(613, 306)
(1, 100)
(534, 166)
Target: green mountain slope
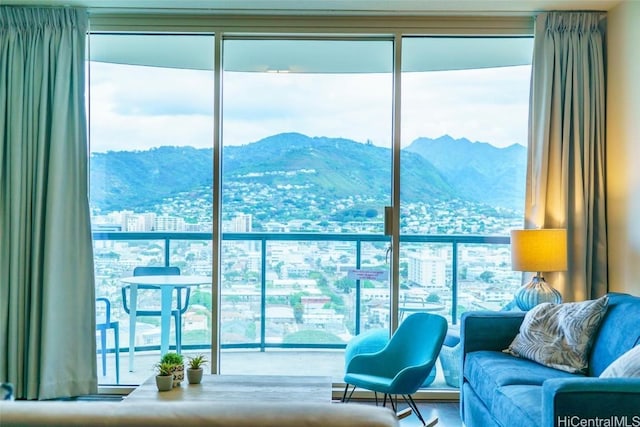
(336, 166)
(136, 180)
(292, 171)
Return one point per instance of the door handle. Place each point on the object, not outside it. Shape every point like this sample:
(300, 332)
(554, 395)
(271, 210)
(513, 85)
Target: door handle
(388, 220)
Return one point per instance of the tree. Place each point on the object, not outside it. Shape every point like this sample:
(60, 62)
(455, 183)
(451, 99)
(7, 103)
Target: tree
(295, 300)
(371, 213)
(250, 331)
(278, 267)
(486, 276)
(404, 269)
(298, 312)
(319, 278)
(202, 298)
(344, 284)
(433, 298)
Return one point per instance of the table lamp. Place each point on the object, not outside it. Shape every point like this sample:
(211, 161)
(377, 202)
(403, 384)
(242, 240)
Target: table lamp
(538, 250)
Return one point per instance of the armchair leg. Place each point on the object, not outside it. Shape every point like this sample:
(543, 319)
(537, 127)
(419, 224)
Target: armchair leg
(346, 398)
(393, 404)
(414, 407)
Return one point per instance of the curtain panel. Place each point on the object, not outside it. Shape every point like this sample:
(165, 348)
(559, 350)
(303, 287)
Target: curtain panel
(47, 318)
(566, 153)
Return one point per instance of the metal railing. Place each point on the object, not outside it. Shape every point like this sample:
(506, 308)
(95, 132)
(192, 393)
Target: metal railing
(263, 238)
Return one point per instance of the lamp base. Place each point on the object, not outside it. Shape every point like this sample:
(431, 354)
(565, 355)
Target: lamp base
(536, 292)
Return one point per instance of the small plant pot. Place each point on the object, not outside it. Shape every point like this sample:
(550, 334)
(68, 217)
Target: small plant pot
(164, 382)
(194, 375)
(178, 374)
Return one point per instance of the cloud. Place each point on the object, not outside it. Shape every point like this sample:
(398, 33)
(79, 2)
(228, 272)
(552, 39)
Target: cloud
(135, 107)
(489, 105)
(345, 105)
(153, 91)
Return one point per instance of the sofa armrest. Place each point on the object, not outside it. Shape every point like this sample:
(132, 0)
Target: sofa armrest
(581, 401)
(489, 330)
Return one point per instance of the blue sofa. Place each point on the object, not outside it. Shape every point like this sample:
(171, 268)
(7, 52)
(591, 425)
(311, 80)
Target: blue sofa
(498, 389)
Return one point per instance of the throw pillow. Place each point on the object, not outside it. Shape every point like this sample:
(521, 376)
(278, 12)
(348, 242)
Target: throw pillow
(559, 335)
(625, 366)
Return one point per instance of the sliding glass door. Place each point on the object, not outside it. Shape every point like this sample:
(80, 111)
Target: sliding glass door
(306, 173)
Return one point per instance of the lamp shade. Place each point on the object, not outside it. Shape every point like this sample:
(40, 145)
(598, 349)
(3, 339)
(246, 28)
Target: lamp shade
(539, 250)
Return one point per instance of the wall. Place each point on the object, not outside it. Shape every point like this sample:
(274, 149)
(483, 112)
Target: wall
(623, 146)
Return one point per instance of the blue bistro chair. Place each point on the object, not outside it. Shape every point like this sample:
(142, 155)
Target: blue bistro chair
(103, 327)
(182, 298)
(403, 365)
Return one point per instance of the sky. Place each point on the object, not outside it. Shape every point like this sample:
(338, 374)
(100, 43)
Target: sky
(140, 107)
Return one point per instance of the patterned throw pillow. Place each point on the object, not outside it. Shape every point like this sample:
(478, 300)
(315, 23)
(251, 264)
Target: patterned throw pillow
(559, 335)
(625, 366)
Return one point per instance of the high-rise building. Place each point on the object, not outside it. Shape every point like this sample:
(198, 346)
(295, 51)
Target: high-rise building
(427, 269)
(169, 223)
(241, 223)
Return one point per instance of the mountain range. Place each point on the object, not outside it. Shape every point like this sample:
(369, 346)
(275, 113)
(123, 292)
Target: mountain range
(438, 169)
(477, 170)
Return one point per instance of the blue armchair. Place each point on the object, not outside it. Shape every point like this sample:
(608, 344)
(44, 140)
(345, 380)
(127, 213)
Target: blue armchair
(402, 366)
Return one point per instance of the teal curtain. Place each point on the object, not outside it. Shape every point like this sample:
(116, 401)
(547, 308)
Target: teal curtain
(47, 317)
(566, 153)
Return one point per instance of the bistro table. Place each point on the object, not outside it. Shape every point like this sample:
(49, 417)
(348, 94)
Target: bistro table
(166, 284)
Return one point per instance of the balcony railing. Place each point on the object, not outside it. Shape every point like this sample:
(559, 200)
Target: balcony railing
(465, 275)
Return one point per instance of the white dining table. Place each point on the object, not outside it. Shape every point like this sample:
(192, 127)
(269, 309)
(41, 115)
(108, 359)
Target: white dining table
(166, 284)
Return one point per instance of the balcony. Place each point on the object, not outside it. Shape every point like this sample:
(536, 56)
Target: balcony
(291, 301)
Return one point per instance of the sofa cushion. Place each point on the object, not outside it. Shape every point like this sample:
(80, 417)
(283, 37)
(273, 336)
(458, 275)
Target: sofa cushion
(618, 333)
(486, 371)
(518, 405)
(626, 366)
(473, 411)
(560, 335)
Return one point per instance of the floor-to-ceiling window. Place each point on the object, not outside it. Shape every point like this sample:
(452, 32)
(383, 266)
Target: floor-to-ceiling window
(151, 137)
(464, 136)
(306, 141)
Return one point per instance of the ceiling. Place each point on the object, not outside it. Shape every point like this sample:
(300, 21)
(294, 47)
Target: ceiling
(328, 7)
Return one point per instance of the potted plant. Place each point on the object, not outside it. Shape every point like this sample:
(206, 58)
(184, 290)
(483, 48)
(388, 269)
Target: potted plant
(177, 361)
(164, 377)
(194, 370)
